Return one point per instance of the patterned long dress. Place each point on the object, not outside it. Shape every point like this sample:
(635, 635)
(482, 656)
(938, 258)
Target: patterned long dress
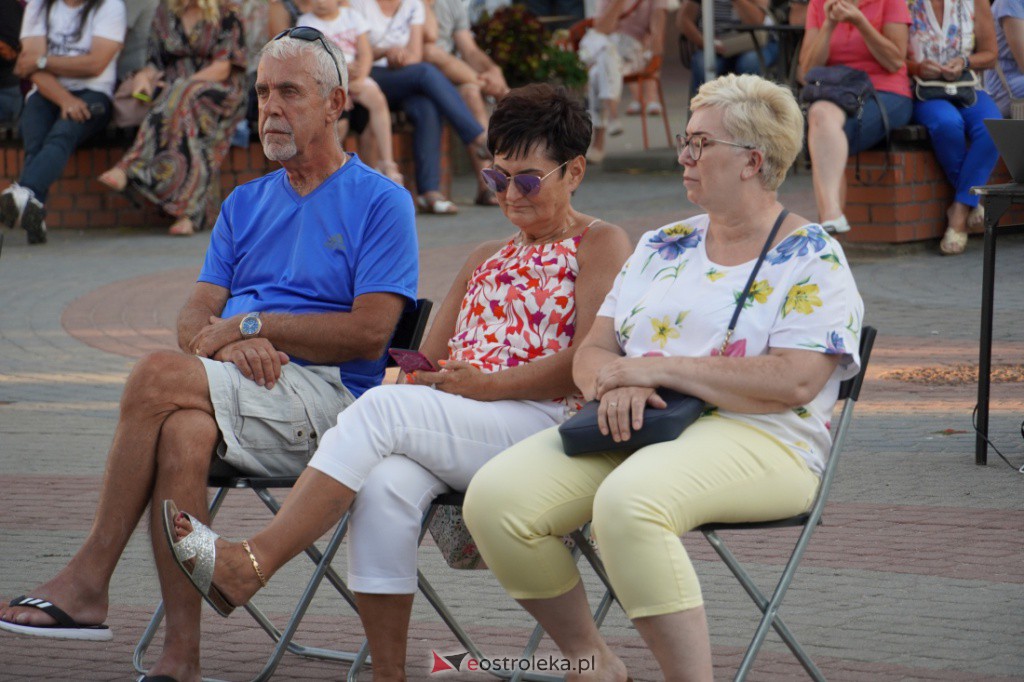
(185, 137)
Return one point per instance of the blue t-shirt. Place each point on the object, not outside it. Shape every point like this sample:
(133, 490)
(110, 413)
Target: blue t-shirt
(276, 251)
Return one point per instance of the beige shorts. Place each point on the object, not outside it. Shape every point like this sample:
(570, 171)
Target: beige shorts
(275, 432)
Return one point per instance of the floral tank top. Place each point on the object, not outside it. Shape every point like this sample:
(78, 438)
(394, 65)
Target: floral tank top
(520, 305)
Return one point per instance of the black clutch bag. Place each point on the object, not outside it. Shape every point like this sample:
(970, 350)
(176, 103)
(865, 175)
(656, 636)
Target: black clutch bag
(580, 435)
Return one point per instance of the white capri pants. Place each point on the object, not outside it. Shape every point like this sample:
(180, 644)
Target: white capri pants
(400, 446)
(608, 58)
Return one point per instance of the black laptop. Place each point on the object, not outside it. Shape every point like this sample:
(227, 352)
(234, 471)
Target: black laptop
(1008, 134)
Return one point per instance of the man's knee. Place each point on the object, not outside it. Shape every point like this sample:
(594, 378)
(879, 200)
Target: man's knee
(160, 377)
(187, 442)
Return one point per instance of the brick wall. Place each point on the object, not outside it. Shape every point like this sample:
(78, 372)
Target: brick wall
(78, 201)
(908, 201)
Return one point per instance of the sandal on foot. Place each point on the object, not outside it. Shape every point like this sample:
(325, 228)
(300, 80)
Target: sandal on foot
(633, 109)
(976, 220)
(654, 109)
(953, 243)
(66, 627)
(200, 547)
(183, 227)
(127, 190)
(486, 197)
(440, 206)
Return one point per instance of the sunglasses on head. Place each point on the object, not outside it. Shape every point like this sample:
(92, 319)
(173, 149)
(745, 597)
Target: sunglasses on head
(310, 34)
(527, 184)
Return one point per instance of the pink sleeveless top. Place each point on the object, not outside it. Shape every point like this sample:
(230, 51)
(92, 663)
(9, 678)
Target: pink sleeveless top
(520, 305)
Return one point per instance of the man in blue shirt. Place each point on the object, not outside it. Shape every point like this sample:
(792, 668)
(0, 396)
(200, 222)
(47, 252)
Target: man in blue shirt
(308, 271)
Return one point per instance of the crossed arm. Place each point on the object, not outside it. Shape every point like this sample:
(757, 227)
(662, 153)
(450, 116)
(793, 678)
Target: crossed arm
(323, 338)
(88, 65)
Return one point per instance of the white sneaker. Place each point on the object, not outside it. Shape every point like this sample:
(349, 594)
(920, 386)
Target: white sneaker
(837, 225)
(614, 128)
(12, 204)
(32, 221)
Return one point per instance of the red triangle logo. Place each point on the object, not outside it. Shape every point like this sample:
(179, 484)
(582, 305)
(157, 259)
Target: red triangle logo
(440, 664)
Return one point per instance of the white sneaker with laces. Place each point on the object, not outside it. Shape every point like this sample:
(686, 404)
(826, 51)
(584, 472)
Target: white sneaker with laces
(12, 205)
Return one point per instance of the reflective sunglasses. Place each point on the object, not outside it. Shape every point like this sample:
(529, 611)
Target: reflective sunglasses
(310, 34)
(527, 184)
(696, 143)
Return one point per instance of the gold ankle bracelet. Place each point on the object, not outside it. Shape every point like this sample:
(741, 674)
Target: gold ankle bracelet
(255, 564)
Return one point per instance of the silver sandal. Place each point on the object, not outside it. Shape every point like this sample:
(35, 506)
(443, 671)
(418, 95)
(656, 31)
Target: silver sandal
(198, 546)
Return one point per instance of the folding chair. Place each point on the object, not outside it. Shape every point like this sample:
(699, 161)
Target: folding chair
(408, 334)
(849, 392)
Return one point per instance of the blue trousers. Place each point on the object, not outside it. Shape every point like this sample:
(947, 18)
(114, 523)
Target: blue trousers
(50, 140)
(961, 142)
(10, 104)
(871, 131)
(745, 62)
(426, 95)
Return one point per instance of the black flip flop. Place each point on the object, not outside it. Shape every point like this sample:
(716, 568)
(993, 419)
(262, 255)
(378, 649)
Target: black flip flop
(66, 627)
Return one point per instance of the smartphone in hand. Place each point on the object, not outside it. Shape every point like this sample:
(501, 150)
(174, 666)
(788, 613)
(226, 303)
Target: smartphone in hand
(411, 360)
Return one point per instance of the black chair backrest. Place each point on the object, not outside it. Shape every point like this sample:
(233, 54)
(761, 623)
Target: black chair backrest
(850, 389)
(411, 325)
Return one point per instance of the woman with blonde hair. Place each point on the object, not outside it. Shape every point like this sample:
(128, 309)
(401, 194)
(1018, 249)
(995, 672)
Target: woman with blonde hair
(196, 78)
(757, 451)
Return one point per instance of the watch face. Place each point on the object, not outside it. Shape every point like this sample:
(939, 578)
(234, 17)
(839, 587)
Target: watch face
(251, 326)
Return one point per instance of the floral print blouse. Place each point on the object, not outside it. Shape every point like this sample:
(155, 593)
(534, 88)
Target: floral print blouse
(671, 299)
(520, 305)
(941, 41)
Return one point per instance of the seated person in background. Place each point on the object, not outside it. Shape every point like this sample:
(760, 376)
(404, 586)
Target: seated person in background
(625, 36)
(757, 456)
(11, 13)
(728, 13)
(421, 91)
(504, 338)
(139, 20)
(450, 46)
(943, 50)
(196, 73)
(68, 49)
(324, 251)
(871, 36)
(1009, 21)
(348, 29)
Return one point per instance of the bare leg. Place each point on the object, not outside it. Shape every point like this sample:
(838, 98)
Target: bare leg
(187, 442)
(386, 622)
(474, 99)
(159, 385)
(829, 152)
(371, 97)
(956, 216)
(314, 506)
(567, 620)
(680, 643)
(115, 178)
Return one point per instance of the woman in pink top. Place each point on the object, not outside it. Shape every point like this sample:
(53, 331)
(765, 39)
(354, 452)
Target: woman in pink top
(504, 341)
(870, 35)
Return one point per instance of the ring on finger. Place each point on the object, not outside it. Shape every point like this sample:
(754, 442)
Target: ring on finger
(613, 404)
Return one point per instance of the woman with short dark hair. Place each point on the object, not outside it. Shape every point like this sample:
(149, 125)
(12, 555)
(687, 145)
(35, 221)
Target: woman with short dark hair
(504, 341)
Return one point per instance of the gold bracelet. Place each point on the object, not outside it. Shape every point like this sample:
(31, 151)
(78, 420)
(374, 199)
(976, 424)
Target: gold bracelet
(255, 564)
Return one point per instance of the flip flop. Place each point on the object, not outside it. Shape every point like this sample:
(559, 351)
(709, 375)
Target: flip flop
(437, 206)
(200, 547)
(66, 627)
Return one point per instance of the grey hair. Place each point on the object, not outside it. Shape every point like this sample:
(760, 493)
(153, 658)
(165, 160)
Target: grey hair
(324, 71)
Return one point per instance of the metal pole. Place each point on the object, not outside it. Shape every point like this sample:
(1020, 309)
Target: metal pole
(707, 13)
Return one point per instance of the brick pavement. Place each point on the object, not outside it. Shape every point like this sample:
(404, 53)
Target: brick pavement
(916, 574)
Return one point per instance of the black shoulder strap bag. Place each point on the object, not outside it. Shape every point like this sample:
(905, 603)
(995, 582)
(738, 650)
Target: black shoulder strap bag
(580, 434)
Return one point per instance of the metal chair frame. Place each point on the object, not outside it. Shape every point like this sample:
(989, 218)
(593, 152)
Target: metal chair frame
(408, 334)
(809, 521)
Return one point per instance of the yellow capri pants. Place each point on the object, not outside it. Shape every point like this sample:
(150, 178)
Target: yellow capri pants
(521, 502)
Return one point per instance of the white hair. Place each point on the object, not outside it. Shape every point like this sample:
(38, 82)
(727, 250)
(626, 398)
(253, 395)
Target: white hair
(327, 64)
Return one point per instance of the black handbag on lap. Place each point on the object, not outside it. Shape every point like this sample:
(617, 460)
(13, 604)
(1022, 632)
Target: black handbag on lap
(844, 86)
(581, 435)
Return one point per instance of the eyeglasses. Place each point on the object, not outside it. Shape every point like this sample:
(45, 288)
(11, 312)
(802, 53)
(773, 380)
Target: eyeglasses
(696, 143)
(310, 34)
(527, 184)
